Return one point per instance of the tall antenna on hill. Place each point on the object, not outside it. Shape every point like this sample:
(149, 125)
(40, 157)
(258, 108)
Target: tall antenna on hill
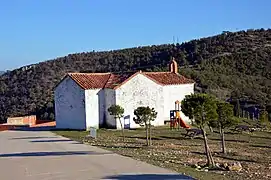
(175, 40)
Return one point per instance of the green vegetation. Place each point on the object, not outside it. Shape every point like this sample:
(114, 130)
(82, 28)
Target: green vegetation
(225, 120)
(232, 64)
(171, 149)
(263, 120)
(144, 117)
(202, 109)
(117, 111)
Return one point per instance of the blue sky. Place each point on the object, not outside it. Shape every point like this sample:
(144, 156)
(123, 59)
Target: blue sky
(38, 30)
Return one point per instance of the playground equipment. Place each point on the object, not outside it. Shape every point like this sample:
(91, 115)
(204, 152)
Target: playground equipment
(175, 117)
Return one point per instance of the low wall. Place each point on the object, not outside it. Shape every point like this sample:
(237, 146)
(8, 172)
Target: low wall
(15, 123)
(30, 120)
(41, 124)
(44, 123)
(6, 127)
(25, 120)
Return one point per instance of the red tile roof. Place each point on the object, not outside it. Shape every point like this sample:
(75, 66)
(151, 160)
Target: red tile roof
(90, 80)
(116, 80)
(168, 78)
(113, 81)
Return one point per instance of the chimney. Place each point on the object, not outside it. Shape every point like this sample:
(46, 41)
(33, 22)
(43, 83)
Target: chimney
(173, 67)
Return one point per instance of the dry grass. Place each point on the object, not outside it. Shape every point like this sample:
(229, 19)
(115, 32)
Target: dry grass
(172, 150)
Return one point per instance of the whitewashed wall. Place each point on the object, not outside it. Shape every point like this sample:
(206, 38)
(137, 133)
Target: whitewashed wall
(110, 99)
(140, 91)
(173, 93)
(70, 105)
(101, 104)
(92, 107)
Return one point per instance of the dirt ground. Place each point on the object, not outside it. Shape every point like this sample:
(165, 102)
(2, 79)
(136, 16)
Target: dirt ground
(172, 150)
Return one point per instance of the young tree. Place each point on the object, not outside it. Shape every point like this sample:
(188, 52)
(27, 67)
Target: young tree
(237, 108)
(144, 116)
(225, 120)
(201, 108)
(117, 111)
(263, 120)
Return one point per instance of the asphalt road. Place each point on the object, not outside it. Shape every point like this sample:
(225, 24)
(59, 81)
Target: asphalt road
(41, 155)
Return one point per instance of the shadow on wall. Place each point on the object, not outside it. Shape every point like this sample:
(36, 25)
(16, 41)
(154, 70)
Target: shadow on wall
(61, 153)
(151, 176)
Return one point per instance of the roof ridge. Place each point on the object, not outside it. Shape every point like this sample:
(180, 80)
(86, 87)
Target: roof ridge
(165, 72)
(115, 80)
(126, 72)
(78, 73)
(156, 72)
(107, 81)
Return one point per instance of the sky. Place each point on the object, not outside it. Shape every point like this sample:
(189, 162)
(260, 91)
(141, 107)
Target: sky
(32, 31)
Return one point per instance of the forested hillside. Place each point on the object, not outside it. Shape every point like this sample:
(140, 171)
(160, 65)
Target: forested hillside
(230, 64)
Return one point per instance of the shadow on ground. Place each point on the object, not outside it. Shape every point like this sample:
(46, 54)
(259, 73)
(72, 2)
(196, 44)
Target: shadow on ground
(118, 147)
(46, 128)
(37, 137)
(51, 140)
(234, 158)
(230, 140)
(260, 146)
(144, 138)
(61, 153)
(165, 137)
(150, 176)
(261, 137)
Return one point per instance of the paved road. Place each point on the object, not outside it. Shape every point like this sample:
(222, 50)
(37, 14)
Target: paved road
(33, 155)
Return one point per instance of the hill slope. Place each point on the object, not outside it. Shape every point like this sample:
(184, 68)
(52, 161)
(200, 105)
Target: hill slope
(231, 64)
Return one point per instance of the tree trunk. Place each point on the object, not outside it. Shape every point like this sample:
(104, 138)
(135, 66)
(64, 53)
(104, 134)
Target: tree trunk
(223, 140)
(122, 128)
(210, 128)
(210, 160)
(147, 135)
(123, 136)
(150, 135)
